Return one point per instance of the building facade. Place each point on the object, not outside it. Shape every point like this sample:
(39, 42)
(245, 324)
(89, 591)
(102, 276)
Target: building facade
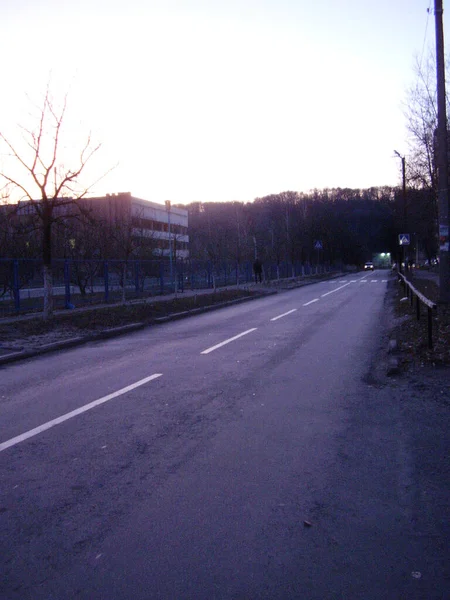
(133, 225)
(164, 227)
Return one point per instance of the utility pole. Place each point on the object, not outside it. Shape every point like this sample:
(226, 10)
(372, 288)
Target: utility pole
(405, 217)
(442, 160)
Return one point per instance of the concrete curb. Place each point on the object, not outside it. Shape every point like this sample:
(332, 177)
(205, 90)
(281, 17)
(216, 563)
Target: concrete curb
(123, 329)
(203, 309)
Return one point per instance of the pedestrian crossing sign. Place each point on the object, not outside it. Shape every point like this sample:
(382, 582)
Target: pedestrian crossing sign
(403, 239)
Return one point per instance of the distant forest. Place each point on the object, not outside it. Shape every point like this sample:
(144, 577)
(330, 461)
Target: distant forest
(350, 225)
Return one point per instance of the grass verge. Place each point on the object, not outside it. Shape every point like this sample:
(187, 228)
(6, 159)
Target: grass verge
(107, 317)
(412, 335)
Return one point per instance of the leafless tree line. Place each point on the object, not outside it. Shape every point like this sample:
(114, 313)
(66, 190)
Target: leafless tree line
(327, 226)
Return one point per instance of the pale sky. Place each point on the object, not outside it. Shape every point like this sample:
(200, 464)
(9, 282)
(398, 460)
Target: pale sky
(213, 100)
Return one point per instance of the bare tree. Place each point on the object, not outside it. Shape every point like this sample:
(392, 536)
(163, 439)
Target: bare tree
(48, 189)
(421, 121)
(421, 168)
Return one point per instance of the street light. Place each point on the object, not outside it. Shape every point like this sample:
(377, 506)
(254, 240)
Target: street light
(168, 205)
(403, 159)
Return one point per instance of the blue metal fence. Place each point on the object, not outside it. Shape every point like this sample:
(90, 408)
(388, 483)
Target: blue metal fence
(81, 282)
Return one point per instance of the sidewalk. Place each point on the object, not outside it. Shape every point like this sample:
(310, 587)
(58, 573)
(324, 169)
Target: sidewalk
(423, 274)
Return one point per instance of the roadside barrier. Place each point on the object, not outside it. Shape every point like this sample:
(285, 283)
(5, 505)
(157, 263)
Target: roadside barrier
(411, 293)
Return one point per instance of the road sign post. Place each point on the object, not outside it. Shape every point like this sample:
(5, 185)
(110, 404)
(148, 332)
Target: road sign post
(404, 240)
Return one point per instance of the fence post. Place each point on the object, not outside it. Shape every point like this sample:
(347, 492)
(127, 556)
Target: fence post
(136, 276)
(209, 274)
(16, 285)
(430, 328)
(67, 283)
(106, 278)
(181, 280)
(161, 277)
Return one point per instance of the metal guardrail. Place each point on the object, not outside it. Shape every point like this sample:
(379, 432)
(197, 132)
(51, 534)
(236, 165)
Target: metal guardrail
(412, 292)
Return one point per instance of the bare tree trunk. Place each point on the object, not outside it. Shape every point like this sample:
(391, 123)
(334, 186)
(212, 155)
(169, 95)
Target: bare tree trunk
(48, 292)
(47, 268)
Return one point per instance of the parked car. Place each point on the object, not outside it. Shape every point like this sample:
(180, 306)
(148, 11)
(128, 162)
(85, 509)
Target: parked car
(369, 266)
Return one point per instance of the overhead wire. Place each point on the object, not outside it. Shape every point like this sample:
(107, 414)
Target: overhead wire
(425, 34)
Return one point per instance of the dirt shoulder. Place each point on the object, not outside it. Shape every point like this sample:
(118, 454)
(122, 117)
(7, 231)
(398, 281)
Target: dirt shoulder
(412, 334)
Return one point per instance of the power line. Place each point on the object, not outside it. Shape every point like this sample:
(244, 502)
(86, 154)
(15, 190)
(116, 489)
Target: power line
(425, 34)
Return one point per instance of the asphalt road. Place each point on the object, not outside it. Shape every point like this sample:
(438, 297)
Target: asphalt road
(246, 453)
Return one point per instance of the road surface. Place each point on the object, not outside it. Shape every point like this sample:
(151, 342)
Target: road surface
(245, 453)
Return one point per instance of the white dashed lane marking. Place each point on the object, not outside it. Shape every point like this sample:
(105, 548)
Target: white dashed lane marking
(236, 337)
(74, 413)
(284, 314)
(335, 290)
(311, 302)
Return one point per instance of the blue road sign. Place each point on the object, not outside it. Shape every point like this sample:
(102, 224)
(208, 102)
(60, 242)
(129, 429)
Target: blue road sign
(403, 239)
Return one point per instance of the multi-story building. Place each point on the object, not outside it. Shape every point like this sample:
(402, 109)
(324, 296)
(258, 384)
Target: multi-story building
(165, 227)
(161, 228)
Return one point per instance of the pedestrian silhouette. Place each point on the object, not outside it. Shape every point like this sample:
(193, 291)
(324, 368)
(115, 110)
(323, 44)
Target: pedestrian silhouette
(257, 268)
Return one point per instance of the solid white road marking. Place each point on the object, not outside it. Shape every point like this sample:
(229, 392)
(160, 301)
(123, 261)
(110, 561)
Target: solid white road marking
(236, 337)
(284, 314)
(311, 301)
(335, 290)
(74, 413)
